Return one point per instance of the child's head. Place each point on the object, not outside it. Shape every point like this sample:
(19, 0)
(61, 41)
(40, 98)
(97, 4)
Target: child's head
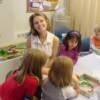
(33, 61)
(97, 31)
(72, 40)
(61, 71)
(36, 20)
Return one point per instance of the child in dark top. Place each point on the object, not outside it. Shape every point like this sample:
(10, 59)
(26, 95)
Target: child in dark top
(71, 45)
(24, 81)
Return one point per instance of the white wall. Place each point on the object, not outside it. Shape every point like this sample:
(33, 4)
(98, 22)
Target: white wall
(85, 15)
(6, 21)
(14, 21)
(21, 24)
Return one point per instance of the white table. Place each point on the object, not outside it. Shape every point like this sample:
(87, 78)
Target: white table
(89, 64)
(8, 65)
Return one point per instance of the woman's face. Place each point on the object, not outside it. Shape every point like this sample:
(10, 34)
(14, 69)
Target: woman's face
(40, 24)
(72, 43)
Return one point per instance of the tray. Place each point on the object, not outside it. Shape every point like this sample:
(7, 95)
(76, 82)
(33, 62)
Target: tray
(88, 85)
(12, 51)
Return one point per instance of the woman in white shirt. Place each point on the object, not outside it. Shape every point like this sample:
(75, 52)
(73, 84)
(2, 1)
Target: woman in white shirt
(40, 37)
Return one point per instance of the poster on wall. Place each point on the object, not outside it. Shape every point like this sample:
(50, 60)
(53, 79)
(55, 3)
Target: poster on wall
(41, 5)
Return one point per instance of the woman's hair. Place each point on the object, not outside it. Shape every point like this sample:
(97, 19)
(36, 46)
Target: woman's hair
(33, 60)
(70, 35)
(31, 19)
(61, 71)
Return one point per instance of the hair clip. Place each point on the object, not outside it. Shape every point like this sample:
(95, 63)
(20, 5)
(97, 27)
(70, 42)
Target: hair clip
(76, 33)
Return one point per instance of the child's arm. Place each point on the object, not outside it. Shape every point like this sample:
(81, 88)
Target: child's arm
(55, 47)
(31, 98)
(35, 98)
(54, 52)
(76, 83)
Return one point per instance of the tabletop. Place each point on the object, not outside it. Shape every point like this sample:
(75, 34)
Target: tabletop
(89, 64)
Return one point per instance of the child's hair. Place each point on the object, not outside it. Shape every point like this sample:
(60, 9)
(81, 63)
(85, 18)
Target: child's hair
(33, 60)
(61, 71)
(70, 35)
(97, 29)
(31, 19)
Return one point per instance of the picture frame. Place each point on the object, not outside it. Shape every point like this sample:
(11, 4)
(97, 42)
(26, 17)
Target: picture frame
(41, 5)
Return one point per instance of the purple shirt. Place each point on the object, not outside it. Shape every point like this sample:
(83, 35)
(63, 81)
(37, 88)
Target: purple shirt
(73, 54)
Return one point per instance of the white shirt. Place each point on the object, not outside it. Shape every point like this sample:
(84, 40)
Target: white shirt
(46, 46)
(68, 92)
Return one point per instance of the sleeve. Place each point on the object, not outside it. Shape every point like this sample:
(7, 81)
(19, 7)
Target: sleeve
(75, 57)
(71, 92)
(60, 49)
(31, 87)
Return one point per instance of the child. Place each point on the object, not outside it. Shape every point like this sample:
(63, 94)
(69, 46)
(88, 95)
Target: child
(95, 40)
(58, 85)
(71, 45)
(26, 79)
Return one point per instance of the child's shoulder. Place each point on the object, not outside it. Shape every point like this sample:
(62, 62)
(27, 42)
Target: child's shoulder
(62, 45)
(31, 79)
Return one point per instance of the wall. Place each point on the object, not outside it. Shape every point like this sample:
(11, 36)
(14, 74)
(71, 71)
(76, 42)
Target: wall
(14, 18)
(6, 21)
(85, 14)
(21, 25)
(21, 18)
(14, 21)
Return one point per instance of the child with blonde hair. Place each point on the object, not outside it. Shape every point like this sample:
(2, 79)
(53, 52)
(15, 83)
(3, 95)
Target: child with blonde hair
(24, 81)
(95, 40)
(58, 85)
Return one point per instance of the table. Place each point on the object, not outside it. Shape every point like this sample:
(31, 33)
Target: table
(8, 65)
(89, 64)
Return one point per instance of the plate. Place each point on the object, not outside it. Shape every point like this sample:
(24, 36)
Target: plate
(88, 85)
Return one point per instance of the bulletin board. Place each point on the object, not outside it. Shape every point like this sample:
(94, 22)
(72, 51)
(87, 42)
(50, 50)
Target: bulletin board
(41, 5)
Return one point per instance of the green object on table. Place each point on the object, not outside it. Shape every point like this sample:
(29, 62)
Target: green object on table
(84, 81)
(3, 52)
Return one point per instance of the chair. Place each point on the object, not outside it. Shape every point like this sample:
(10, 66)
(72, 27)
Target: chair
(58, 32)
(85, 46)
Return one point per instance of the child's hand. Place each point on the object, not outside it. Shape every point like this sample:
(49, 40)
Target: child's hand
(45, 70)
(76, 84)
(77, 88)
